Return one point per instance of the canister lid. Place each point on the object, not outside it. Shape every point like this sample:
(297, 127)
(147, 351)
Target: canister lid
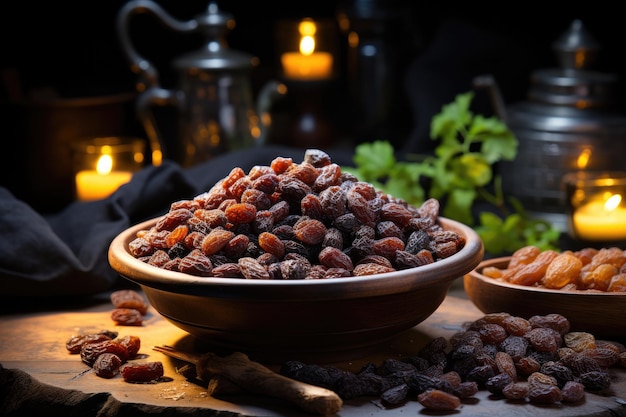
(574, 84)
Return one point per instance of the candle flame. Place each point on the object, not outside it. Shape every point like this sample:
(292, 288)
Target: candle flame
(104, 165)
(307, 29)
(612, 202)
(583, 158)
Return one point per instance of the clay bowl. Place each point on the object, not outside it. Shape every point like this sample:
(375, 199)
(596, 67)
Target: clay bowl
(298, 319)
(599, 313)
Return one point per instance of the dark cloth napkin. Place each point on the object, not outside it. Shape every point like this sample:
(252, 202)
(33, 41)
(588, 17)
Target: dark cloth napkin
(66, 253)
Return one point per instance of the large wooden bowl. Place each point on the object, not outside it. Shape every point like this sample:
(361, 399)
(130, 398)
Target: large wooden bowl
(298, 318)
(600, 313)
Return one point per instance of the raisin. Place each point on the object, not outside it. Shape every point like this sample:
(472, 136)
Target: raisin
(334, 258)
(173, 218)
(241, 213)
(89, 352)
(142, 372)
(563, 269)
(572, 392)
(127, 317)
(216, 240)
(251, 269)
(196, 263)
(371, 269)
(270, 243)
(228, 270)
(107, 365)
(129, 299)
(75, 343)
(309, 231)
(438, 400)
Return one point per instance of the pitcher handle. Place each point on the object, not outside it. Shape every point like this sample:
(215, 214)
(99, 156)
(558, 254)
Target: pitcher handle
(148, 83)
(138, 64)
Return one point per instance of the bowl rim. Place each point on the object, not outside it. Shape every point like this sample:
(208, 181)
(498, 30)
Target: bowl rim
(142, 273)
(503, 261)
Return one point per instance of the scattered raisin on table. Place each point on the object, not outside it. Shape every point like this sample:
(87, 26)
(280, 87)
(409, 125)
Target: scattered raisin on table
(142, 372)
(542, 363)
(129, 299)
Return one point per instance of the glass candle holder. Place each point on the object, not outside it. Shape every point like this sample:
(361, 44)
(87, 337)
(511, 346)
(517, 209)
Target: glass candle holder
(103, 164)
(596, 205)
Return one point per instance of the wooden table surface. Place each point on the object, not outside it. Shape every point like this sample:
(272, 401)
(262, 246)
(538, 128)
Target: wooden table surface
(35, 344)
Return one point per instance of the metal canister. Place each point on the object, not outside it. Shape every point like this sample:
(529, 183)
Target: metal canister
(571, 121)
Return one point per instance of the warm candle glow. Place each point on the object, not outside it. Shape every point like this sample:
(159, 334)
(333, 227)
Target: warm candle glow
(601, 220)
(307, 64)
(101, 182)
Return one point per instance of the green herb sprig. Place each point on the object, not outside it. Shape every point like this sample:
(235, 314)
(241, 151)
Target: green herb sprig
(460, 174)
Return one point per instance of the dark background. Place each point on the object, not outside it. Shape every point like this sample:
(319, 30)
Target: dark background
(70, 49)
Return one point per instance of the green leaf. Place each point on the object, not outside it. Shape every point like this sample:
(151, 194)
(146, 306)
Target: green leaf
(374, 160)
(475, 169)
(454, 117)
(459, 205)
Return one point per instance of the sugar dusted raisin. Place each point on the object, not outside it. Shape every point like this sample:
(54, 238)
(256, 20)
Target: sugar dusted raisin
(140, 247)
(173, 218)
(579, 341)
(316, 157)
(329, 175)
(196, 263)
(371, 269)
(311, 207)
(251, 269)
(280, 164)
(228, 270)
(235, 174)
(256, 198)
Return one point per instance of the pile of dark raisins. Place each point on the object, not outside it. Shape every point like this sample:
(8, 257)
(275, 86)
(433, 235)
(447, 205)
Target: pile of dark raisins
(536, 360)
(289, 220)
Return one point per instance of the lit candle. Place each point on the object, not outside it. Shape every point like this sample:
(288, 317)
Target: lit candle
(307, 64)
(101, 182)
(601, 220)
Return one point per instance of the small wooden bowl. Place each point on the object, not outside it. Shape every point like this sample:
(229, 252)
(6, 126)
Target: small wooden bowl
(601, 313)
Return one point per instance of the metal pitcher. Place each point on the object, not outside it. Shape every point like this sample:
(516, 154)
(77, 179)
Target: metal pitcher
(214, 99)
